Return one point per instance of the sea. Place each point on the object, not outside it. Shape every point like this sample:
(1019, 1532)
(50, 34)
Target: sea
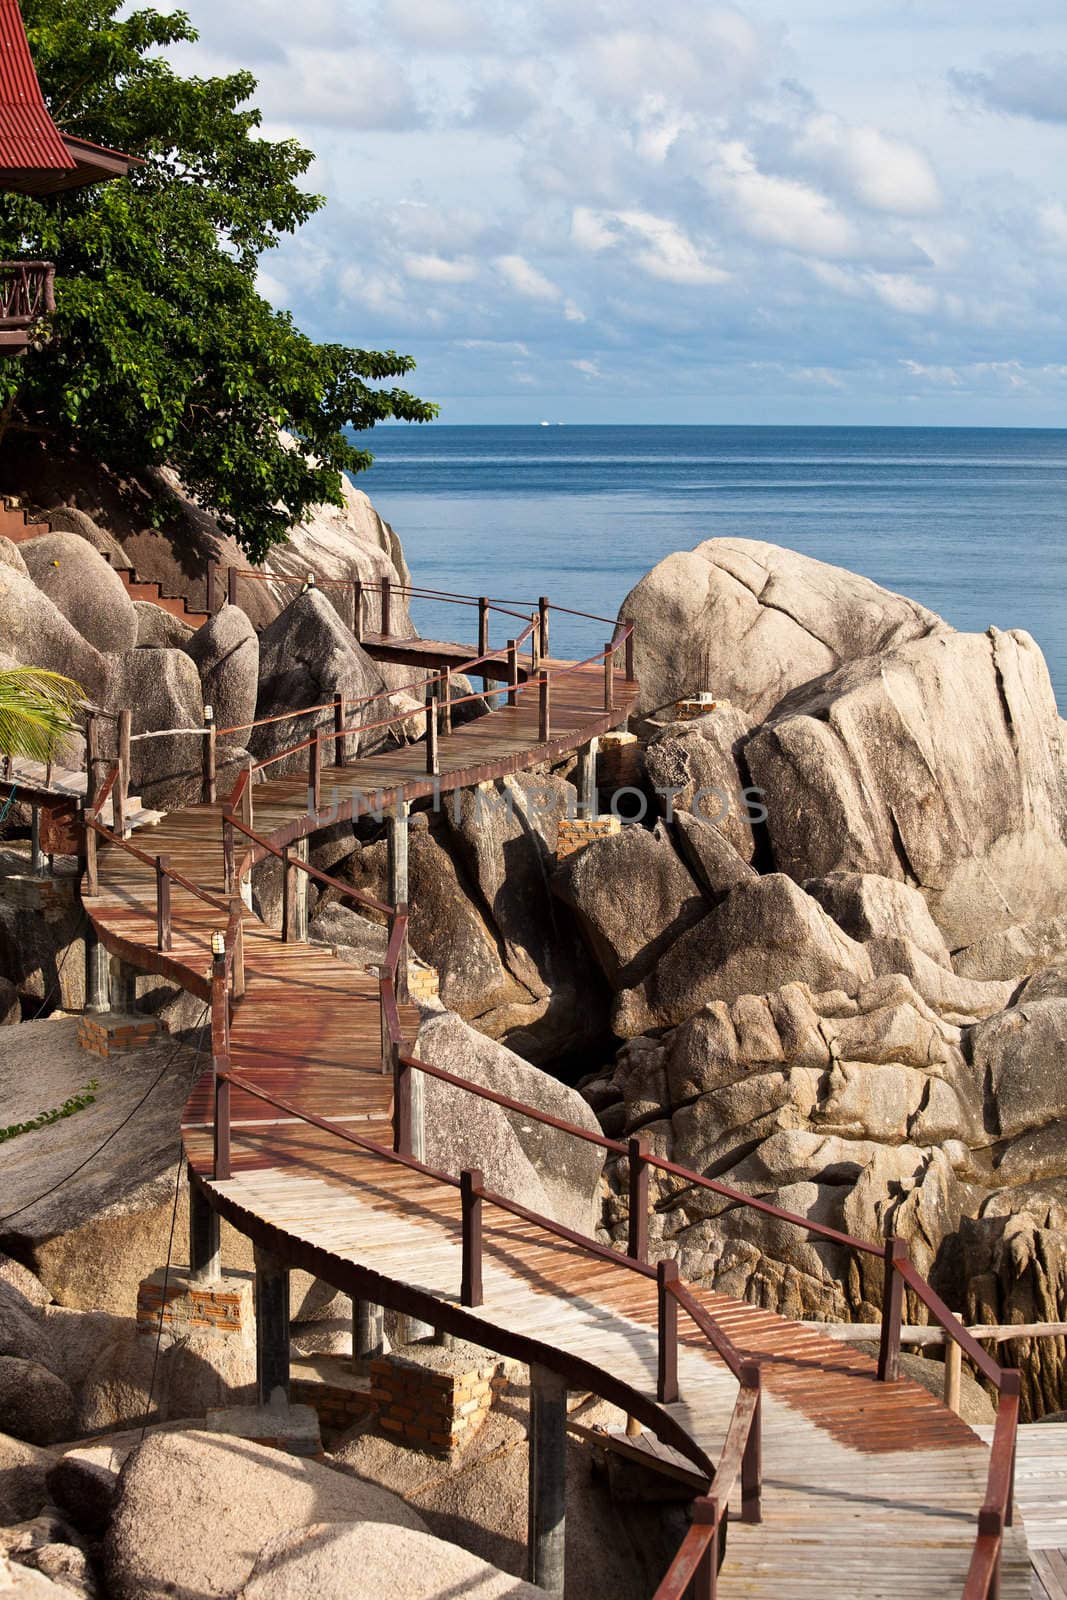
(972, 522)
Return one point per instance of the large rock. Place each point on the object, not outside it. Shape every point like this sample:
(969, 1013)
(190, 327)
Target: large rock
(751, 621)
(633, 897)
(1019, 1056)
(226, 653)
(306, 656)
(869, 907)
(35, 1405)
(762, 935)
(940, 764)
(505, 837)
(37, 634)
(78, 580)
(10, 1008)
(10, 557)
(237, 1495)
(71, 519)
(550, 1172)
(158, 629)
(162, 690)
(393, 1564)
(18, 1582)
(1015, 952)
(710, 856)
(697, 766)
(23, 1471)
(447, 929)
(42, 939)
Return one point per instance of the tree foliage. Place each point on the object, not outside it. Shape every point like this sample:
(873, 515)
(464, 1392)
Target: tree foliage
(36, 710)
(163, 351)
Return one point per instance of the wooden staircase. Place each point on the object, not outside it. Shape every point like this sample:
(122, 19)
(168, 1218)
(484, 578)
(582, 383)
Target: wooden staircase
(16, 525)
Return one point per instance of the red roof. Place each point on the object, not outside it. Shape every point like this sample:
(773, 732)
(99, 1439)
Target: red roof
(35, 158)
(28, 136)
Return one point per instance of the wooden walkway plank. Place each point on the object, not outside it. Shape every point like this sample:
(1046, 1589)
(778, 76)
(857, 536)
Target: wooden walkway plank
(870, 1490)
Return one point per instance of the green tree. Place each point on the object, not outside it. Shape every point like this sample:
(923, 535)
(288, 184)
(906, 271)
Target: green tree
(163, 351)
(36, 710)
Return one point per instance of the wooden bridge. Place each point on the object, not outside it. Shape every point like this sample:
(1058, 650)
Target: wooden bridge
(844, 1479)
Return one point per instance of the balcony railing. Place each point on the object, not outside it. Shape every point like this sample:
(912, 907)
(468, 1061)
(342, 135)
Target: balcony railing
(26, 297)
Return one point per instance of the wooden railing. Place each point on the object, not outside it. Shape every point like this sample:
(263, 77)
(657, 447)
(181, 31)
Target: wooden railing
(740, 1458)
(27, 293)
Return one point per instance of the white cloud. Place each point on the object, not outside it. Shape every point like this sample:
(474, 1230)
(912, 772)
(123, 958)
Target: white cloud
(657, 245)
(437, 269)
(903, 293)
(884, 173)
(588, 369)
(1052, 223)
(526, 279)
(776, 210)
(1027, 85)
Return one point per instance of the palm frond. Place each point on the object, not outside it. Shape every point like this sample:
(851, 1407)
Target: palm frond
(36, 710)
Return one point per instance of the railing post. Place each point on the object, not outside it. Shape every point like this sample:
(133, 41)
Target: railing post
(315, 774)
(220, 1055)
(163, 933)
(401, 984)
(227, 849)
(544, 708)
(991, 1526)
(637, 1230)
(433, 764)
(231, 586)
(91, 886)
(288, 894)
(246, 798)
(513, 672)
(237, 970)
(535, 652)
(752, 1460)
(892, 1309)
(953, 1371)
(387, 607)
(706, 1579)
(667, 1377)
(401, 1101)
(357, 609)
(446, 701)
(122, 782)
(542, 611)
(470, 1191)
(483, 626)
(340, 739)
(92, 753)
(629, 649)
(609, 676)
(209, 754)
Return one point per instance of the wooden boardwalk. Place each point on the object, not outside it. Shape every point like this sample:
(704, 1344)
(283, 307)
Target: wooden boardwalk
(870, 1490)
(1041, 1495)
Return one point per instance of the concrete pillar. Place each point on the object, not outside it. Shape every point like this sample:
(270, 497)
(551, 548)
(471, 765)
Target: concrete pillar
(97, 974)
(548, 1480)
(123, 986)
(272, 1329)
(368, 1332)
(586, 775)
(397, 829)
(301, 883)
(205, 1252)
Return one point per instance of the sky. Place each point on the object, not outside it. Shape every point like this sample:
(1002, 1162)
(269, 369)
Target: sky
(627, 211)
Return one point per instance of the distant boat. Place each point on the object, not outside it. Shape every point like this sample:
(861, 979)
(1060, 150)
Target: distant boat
(545, 424)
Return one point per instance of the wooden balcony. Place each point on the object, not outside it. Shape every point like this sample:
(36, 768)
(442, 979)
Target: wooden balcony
(26, 298)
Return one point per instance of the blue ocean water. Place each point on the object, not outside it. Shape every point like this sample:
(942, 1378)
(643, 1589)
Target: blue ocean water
(971, 522)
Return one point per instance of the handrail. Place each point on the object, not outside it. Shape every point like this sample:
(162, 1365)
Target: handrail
(313, 872)
(694, 1558)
